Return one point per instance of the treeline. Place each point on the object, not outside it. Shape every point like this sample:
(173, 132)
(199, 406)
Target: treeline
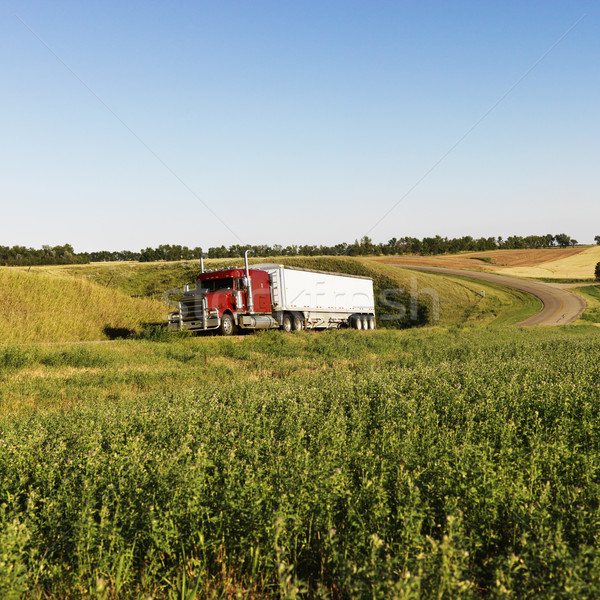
(47, 255)
(62, 255)
(404, 245)
(66, 255)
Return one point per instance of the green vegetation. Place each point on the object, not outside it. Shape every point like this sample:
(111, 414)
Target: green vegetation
(591, 294)
(597, 271)
(458, 299)
(436, 463)
(561, 280)
(485, 259)
(450, 461)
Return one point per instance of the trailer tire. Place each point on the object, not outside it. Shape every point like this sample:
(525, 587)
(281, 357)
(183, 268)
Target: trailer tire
(227, 325)
(297, 324)
(286, 323)
(371, 322)
(365, 322)
(357, 322)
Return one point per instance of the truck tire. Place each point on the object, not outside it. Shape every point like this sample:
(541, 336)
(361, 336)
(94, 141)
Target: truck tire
(365, 322)
(371, 322)
(356, 322)
(286, 323)
(227, 325)
(297, 324)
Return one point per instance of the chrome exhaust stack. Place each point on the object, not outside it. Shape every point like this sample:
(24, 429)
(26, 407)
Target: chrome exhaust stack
(249, 299)
(201, 264)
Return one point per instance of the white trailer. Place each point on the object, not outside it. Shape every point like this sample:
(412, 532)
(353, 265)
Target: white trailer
(307, 299)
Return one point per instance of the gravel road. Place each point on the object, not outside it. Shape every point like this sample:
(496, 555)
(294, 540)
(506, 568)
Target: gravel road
(561, 307)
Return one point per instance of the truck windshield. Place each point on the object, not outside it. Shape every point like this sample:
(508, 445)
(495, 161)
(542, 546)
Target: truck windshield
(215, 285)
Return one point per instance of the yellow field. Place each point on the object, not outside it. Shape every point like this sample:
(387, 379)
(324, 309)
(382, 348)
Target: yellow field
(578, 266)
(551, 263)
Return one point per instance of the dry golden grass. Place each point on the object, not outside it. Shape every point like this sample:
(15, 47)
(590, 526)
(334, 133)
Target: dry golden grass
(498, 258)
(579, 265)
(459, 261)
(527, 258)
(44, 307)
(552, 263)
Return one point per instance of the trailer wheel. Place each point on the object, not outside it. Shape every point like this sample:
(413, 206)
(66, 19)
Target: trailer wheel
(297, 324)
(371, 322)
(286, 324)
(357, 322)
(227, 325)
(365, 322)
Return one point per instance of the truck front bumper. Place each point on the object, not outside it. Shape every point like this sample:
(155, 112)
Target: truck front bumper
(177, 323)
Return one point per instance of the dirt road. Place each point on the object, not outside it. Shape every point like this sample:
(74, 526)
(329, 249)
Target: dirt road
(561, 307)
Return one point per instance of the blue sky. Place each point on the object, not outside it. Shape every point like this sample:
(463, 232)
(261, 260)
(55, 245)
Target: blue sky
(296, 122)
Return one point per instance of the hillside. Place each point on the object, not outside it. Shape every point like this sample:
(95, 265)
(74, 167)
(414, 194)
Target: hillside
(39, 306)
(579, 265)
(440, 300)
(545, 263)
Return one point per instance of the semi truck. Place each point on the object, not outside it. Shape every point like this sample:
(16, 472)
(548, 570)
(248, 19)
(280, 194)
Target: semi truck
(274, 296)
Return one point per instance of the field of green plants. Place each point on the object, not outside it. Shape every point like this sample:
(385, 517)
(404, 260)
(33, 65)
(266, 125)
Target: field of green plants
(423, 463)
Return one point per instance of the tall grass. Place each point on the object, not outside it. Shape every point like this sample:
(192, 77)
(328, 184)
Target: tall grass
(42, 307)
(380, 464)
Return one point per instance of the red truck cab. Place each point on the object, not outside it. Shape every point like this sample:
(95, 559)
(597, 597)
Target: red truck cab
(220, 301)
(221, 290)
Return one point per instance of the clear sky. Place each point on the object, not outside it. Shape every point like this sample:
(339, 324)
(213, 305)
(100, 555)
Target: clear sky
(296, 121)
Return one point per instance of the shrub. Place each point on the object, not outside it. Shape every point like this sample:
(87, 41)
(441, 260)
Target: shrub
(597, 271)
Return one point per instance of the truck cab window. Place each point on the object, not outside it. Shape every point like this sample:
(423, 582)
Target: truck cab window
(215, 285)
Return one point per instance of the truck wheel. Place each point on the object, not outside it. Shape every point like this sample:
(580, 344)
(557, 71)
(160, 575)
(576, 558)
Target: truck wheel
(286, 324)
(227, 325)
(365, 322)
(371, 322)
(297, 325)
(357, 322)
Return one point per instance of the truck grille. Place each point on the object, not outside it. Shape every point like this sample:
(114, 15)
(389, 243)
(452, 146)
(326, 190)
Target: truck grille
(191, 308)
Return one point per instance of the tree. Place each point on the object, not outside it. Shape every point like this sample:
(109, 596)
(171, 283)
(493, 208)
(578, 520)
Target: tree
(597, 238)
(563, 240)
(366, 245)
(147, 255)
(597, 271)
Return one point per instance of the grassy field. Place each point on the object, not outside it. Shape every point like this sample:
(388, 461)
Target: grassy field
(591, 294)
(436, 462)
(490, 260)
(547, 264)
(47, 307)
(578, 266)
(460, 458)
(101, 301)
